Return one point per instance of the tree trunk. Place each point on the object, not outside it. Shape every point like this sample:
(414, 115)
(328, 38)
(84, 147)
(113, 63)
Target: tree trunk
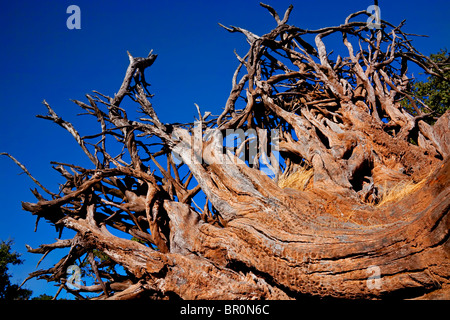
(357, 207)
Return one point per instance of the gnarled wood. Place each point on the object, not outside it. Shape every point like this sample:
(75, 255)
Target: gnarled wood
(369, 220)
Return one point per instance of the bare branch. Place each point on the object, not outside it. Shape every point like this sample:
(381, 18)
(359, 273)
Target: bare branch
(28, 173)
(69, 127)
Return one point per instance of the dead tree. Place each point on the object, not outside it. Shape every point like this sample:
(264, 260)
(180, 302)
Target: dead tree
(357, 206)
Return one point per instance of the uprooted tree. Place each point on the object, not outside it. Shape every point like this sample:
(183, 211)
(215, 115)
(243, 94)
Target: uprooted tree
(356, 206)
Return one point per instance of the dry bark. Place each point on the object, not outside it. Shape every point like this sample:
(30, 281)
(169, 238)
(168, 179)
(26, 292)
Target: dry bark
(253, 239)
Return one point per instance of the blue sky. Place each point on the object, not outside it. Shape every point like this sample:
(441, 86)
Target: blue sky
(42, 59)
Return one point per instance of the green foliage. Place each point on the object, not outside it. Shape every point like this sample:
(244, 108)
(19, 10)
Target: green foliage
(10, 291)
(43, 297)
(435, 91)
(104, 264)
(138, 240)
